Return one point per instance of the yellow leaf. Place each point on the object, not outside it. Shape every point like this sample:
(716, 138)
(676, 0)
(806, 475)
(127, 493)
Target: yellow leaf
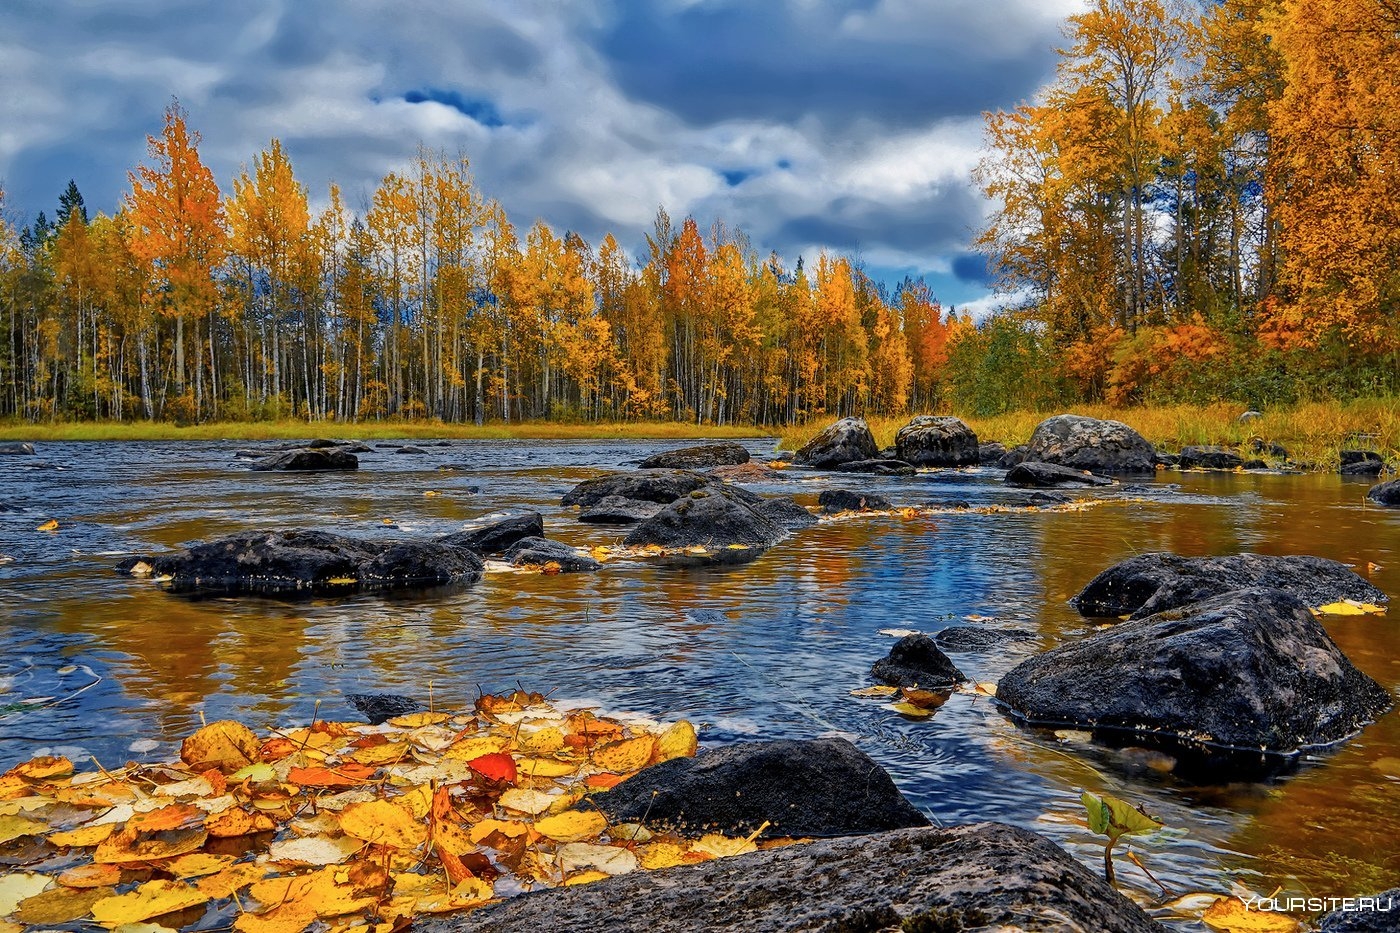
(91, 876)
(542, 741)
(197, 865)
(226, 745)
(1231, 915)
(627, 755)
(18, 886)
(474, 747)
(392, 753)
(546, 767)
(231, 879)
(1350, 607)
(121, 848)
(149, 900)
(526, 800)
(507, 828)
(572, 825)
(50, 525)
(60, 905)
(662, 855)
(236, 821)
(42, 768)
(678, 741)
(383, 823)
(721, 846)
(13, 827)
(585, 877)
(875, 692)
(418, 720)
(612, 860)
(909, 709)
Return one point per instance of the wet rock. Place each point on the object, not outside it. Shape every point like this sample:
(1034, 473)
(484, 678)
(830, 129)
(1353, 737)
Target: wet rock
(381, 707)
(539, 552)
(615, 510)
(1386, 493)
(409, 449)
(1378, 913)
(1091, 444)
(790, 514)
(843, 442)
(844, 500)
(322, 443)
(249, 453)
(1257, 445)
(916, 661)
(18, 448)
(1013, 456)
(974, 638)
(990, 453)
(937, 441)
(420, 564)
(1047, 475)
(497, 536)
(697, 458)
(746, 473)
(1255, 465)
(1167, 460)
(877, 467)
(1209, 458)
(710, 518)
(1046, 498)
(820, 787)
(661, 486)
(355, 447)
(1361, 463)
(1156, 582)
(327, 459)
(948, 504)
(1249, 669)
(987, 876)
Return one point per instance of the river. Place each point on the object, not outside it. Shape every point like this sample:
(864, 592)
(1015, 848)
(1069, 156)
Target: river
(100, 665)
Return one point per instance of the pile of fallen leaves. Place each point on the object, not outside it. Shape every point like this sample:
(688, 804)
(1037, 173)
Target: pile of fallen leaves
(359, 826)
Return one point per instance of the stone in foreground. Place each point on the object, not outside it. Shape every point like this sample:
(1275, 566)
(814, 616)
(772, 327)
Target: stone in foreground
(541, 552)
(698, 458)
(987, 876)
(1378, 913)
(318, 460)
(660, 486)
(916, 661)
(846, 441)
(1091, 444)
(713, 518)
(1049, 475)
(937, 441)
(844, 500)
(1152, 583)
(1387, 494)
(1250, 670)
(818, 787)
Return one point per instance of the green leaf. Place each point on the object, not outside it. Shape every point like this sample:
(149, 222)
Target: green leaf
(1098, 813)
(1127, 820)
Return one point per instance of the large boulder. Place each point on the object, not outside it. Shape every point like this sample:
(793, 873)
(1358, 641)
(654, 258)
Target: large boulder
(819, 787)
(877, 467)
(1249, 670)
(1361, 463)
(542, 552)
(1151, 583)
(16, 447)
(698, 458)
(845, 441)
(937, 441)
(916, 661)
(497, 536)
(305, 562)
(844, 500)
(1091, 444)
(987, 876)
(712, 518)
(1047, 475)
(615, 510)
(786, 512)
(1208, 458)
(320, 459)
(1385, 493)
(661, 486)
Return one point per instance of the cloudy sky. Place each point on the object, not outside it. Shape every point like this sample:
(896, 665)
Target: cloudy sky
(845, 124)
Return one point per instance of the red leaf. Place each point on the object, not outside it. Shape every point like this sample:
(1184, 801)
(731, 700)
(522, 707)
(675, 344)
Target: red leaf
(498, 766)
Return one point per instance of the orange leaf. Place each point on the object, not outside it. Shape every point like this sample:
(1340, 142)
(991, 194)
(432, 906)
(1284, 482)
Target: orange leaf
(349, 774)
(605, 781)
(175, 816)
(498, 766)
(277, 749)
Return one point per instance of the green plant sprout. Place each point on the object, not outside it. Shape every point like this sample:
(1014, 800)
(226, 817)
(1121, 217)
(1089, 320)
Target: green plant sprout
(1114, 818)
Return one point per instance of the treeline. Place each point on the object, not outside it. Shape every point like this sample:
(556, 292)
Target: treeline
(1205, 203)
(192, 303)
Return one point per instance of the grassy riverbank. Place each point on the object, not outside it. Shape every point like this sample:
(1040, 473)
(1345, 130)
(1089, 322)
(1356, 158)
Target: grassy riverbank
(372, 430)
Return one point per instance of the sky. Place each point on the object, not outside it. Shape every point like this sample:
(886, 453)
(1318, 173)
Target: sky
(845, 125)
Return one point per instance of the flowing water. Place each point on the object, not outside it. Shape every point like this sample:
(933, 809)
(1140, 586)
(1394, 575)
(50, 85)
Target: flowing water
(99, 665)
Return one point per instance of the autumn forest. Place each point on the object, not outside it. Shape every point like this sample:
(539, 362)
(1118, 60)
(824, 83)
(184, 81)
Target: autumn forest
(1204, 204)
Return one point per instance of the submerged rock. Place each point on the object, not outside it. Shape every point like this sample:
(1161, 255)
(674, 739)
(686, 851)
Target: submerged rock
(661, 486)
(381, 707)
(1209, 458)
(1091, 444)
(937, 441)
(409, 449)
(987, 876)
(844, 500)
(497, 536)
(786, 512)
(1047, 475)
(1249, 670)
(541, 552)
(878, 467)
(819, 787)
(712, 518)
(916, 661)
(1386, 493)
(845, 441)
(16, 448)
(699, 457)
(321, 459)
(1151, 583)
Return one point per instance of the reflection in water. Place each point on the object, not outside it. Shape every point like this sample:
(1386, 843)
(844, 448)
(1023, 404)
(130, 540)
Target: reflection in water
(765, 649)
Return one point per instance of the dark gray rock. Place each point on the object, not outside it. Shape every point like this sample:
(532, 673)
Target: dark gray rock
(987, 876)
(1047, 475)
(1255, 465)
(1156, 582)
(697, 458)
(990, 453)
(322, 443)
(936, 441)
(746, 473)
(1378, 913)
(409, 449)
(916, 661)
(539, 552)
(1386, 493)
(249, 453)
(819, 787)
(419, 564)
(1250, 670)
(877, 467)
(844, 500)
(16, 448)
(1361, 463)
(661, 486)
(710, 518)
(326, 459)
(1091, 444)
(1013, 456)
(1167, 460)
(381, 707)
(843, 442)
(355, 447)
(786, 512)
(1257, 445)
(262, 562)
(974, 638)
(497, 536)
(615, 510)
(1045, 498)
(1209, 458)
